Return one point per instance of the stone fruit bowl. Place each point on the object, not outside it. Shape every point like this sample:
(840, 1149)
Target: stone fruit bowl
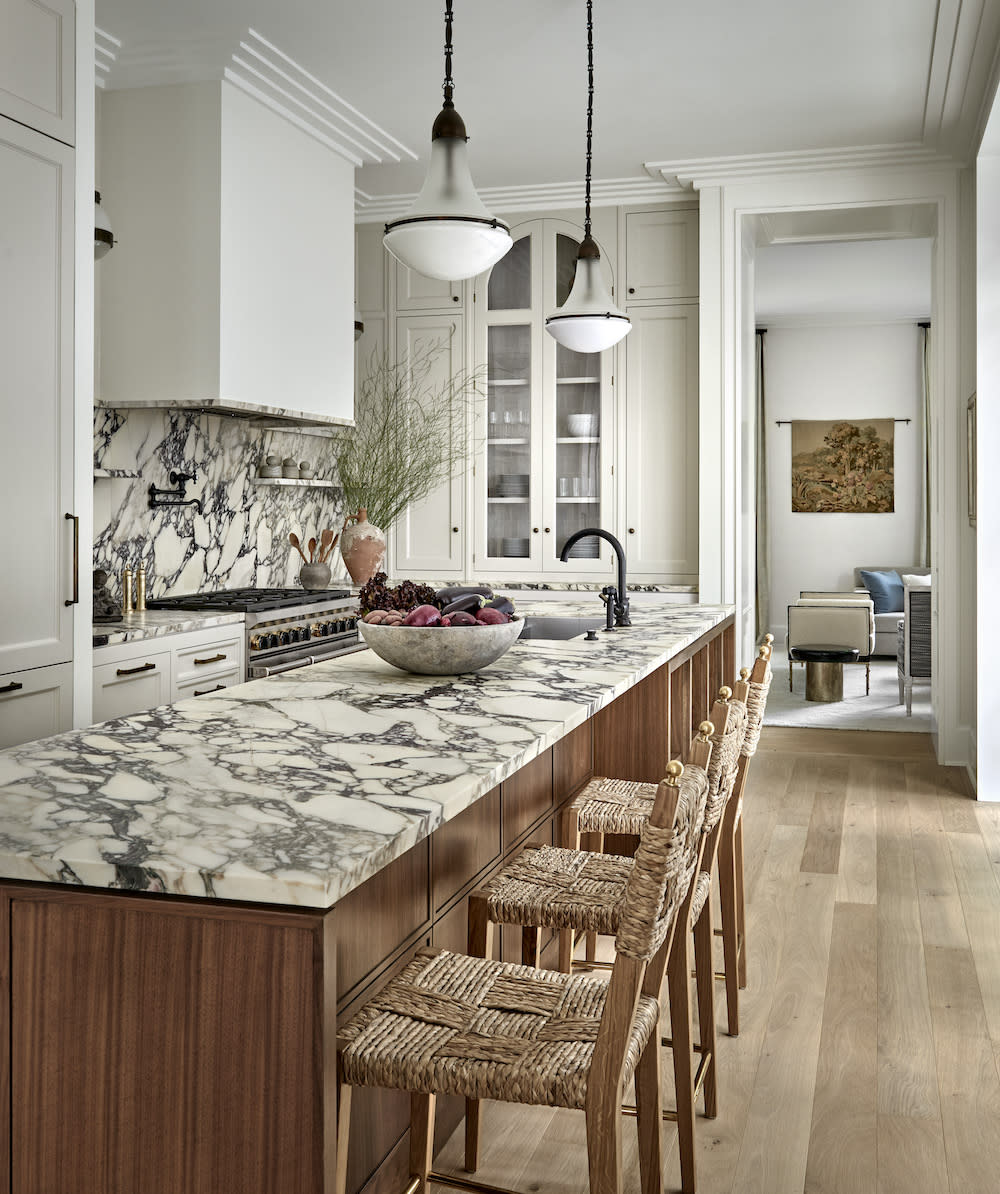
(440, 650)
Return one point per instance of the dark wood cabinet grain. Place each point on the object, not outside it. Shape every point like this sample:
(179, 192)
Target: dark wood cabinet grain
(464, 846)
(526, 797)
(630, 734)
(573, 761)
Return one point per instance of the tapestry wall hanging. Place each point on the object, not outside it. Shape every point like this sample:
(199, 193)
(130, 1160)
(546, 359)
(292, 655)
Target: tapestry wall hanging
(841, 467)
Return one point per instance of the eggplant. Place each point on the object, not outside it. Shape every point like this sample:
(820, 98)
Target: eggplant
(469, 604)
(453, 592)
(502, 603)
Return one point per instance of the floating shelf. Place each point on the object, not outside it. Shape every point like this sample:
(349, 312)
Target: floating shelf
(578, 439)
(509, 501)
(508, 381)
(507, 442)
(303, 484)
(590, 501)
(115, 473)
(577, 381)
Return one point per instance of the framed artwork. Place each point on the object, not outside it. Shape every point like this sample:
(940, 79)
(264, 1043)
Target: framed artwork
(843, 467)
(970, 431)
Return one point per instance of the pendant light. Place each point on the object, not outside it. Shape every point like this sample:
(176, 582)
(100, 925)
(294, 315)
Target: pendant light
(448, 233)
(103, 237)
(588, 321)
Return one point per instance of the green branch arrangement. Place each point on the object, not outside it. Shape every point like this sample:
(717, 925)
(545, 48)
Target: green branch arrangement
(410, 433)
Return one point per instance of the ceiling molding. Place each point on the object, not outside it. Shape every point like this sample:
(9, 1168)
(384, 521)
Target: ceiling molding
(818, 319)
(553, 196)
(106, 50)
(703, 172)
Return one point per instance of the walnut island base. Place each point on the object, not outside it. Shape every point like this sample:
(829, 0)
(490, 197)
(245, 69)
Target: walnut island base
(163, 1043)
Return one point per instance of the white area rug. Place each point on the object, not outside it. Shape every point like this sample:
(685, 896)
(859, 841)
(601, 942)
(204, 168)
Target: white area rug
(878, 711)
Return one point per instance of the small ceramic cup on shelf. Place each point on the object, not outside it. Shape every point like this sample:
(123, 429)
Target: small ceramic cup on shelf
(290, 469)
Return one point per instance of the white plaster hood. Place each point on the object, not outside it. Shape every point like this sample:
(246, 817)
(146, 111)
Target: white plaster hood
(231, 287)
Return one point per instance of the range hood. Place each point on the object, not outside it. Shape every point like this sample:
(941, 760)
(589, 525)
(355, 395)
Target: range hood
(233, 291)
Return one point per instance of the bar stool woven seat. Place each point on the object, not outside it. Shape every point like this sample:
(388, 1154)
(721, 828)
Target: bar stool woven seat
(450, 1024)
(612, 806)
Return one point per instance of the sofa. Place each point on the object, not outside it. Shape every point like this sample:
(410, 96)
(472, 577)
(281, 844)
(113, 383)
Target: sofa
(885, 623)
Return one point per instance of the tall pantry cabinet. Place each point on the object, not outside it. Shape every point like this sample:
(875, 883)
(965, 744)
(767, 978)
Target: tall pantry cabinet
(38, 540)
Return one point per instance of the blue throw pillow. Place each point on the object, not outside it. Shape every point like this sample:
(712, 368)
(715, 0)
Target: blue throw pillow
(885, 589)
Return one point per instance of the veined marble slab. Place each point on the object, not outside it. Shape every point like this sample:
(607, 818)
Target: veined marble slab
(297, 788)
(154, 623)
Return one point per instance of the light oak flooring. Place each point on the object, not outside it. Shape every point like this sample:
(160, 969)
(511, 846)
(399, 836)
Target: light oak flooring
(868, 1057)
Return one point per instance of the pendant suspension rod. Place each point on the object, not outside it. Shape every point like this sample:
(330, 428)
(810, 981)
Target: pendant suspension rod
(590, 109)
(449, 82)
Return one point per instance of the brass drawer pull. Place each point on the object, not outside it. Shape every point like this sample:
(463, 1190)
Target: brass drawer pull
(13, 686)
(212, 659)
(134, 671)
(205, 691)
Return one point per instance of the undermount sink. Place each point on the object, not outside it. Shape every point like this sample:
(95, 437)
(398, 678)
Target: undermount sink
(558, 629)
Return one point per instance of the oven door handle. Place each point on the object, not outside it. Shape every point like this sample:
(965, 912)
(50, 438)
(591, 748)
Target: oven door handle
(259, 670)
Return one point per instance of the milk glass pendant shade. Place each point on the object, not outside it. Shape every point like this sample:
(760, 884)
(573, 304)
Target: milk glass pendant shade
(103, 238)
(588, 321)
(448, 233)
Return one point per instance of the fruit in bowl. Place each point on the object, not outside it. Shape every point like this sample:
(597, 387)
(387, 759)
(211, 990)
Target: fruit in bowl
(461, 630)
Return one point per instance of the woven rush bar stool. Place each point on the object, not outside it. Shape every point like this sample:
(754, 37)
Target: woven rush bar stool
(570, 890)
(752, 688)
(493, 1030)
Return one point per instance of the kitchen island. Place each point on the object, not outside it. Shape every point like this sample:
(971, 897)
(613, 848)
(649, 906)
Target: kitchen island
(193, 895)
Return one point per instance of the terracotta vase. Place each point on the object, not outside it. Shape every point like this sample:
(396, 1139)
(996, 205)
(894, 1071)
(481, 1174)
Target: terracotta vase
(363, 547)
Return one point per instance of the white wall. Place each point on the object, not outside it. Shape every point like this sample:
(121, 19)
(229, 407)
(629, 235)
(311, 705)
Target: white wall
(840, 372)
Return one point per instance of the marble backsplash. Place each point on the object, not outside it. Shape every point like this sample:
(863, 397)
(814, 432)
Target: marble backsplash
(241, 538)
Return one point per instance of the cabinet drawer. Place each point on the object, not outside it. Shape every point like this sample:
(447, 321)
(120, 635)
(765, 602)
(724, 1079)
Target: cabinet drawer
(203, 685)
(131, 685)
(35, 704)
(209, 659)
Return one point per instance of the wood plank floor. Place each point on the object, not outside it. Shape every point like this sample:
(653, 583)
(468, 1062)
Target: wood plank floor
(868, 1057)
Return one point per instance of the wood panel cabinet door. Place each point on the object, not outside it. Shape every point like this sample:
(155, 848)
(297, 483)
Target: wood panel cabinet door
(661, 255)
(37, 65)
(36, 399)
(35, 704)
(417, 292)
(430, 537)
(661, 443)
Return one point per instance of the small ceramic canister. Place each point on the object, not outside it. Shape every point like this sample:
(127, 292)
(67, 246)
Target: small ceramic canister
(306, 471)
(290, 469)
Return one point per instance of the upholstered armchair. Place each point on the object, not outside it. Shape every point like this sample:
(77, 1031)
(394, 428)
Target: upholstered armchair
(834, 619)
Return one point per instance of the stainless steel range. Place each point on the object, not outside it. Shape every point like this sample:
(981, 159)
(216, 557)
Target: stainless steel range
(285, 628)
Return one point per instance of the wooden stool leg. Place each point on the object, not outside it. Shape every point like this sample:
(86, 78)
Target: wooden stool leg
(730, 928)
(604, 1147)
(678, 986)
(531, 954)
(649, 1119)
(741, 907)
(422, 1107)
(566, 951)
(343, 1136)
(705, 980)
(480, 946)
(596, 843)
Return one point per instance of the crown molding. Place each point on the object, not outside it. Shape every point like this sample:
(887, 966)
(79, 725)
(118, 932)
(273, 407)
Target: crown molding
(696, 173)
(552, 196)
(106, 49)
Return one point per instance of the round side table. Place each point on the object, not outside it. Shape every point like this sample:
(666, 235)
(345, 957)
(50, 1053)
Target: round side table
(824, 669)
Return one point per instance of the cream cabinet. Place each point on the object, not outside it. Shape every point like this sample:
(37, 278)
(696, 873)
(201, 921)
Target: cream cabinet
(132, 677)
(37, 65)
(39, 581)
(415, 292)
(660, 464)
(661, 255)
(544, 469)
(35, 704)
(431, 536)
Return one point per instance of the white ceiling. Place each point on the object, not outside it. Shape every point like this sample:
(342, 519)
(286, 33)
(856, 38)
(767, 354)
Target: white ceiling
(674, 82)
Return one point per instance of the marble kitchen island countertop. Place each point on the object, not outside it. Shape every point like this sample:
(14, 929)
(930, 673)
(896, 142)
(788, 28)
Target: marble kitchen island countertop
(155, 623)
(295, 789)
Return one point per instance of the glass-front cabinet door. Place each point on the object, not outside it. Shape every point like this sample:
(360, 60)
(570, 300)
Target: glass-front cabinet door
(543, 471)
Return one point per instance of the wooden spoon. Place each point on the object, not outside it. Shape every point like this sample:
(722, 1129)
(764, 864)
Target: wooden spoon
(293, 539)
(312, 549)
(326, 542)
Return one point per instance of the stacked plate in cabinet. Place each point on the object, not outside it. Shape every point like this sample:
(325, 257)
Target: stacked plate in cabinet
(585, 549)
(515, 548)
(513, 485)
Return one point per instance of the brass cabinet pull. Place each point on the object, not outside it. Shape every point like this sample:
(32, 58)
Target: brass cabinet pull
(13, 686)
(205, 691)
(212, 659)
(631, 530)
(134, 671)
(75, 599)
